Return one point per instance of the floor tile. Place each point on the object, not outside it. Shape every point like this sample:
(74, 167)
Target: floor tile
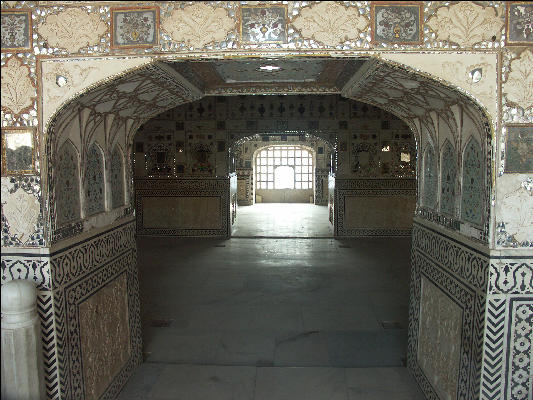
(197, 382)
(292, 383)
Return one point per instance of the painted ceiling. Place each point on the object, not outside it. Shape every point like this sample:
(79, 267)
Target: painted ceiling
(326, 75)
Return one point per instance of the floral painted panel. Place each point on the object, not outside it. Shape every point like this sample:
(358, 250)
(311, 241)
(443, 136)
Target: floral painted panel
(264, 24)
(16, 30)
(473, 184)
(429, 198)
(94, 181)
(448, 177)
(117, 179)
(519, 149)
(520, 22)
(68, 185)
(135, 27)
(396, 23)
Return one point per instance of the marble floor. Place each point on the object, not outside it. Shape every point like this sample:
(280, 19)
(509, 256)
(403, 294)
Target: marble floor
(272, 318)
(282, 220)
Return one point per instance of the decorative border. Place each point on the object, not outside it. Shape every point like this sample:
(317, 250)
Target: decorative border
(5, 171)
(397, 4)
(461, 278)
(519, 377)
(508, 276)
(112, 44)
(30, 31)
(185, 188)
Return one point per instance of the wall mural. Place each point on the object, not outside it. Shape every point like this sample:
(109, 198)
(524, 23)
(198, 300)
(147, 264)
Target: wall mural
(459, 43)
(448, 179)
(68, 204)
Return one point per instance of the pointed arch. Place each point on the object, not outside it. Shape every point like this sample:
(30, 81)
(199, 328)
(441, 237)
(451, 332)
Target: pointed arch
(448, 171)
(67, 189)
(429, 179)
(94, 181)
(472, 183)
(116, 178)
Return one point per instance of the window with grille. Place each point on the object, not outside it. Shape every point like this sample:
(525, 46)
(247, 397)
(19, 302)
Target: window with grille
(284, 167)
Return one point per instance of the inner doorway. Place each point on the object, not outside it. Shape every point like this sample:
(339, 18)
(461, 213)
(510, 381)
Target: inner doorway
(282, 187)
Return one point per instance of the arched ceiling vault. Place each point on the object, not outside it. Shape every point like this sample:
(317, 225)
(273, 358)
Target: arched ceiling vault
(146, 92)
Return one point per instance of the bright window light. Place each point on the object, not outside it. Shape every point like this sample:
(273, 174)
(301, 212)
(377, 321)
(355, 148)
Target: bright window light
(284, 177)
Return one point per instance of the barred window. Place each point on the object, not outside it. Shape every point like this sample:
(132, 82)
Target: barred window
(284, 167)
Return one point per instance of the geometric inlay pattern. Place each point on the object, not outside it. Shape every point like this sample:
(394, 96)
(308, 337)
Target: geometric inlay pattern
(492, 385)
(117, 179)
(94, 181)
(67, 185)
(520, 353)
(448, 177)
(473, 184)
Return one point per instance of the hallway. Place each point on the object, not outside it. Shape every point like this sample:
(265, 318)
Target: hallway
(283, 220)
(273, 319)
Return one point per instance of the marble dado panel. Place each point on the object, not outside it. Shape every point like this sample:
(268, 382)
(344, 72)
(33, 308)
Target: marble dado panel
(349, 194)
(80, 271)
(439, 341)
(459, 273)
(211, 191)
(105, 337)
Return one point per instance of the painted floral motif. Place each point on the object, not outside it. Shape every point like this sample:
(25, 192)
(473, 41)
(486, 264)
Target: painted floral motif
(520, 28)
(397, 23)
(72, 29)
(22, 211)
(198, 25)
(429, 198)
(67, 186)
(448, 177)
(466, 23)
(94, 181)
(519, 149)
(17, 91)
(117, 179)
(134, 27)
(16, 30)
(519, 85)
(263, 24)
(330, 23)
(472, 195)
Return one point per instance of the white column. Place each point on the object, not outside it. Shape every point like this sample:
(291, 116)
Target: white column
(22, 365)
